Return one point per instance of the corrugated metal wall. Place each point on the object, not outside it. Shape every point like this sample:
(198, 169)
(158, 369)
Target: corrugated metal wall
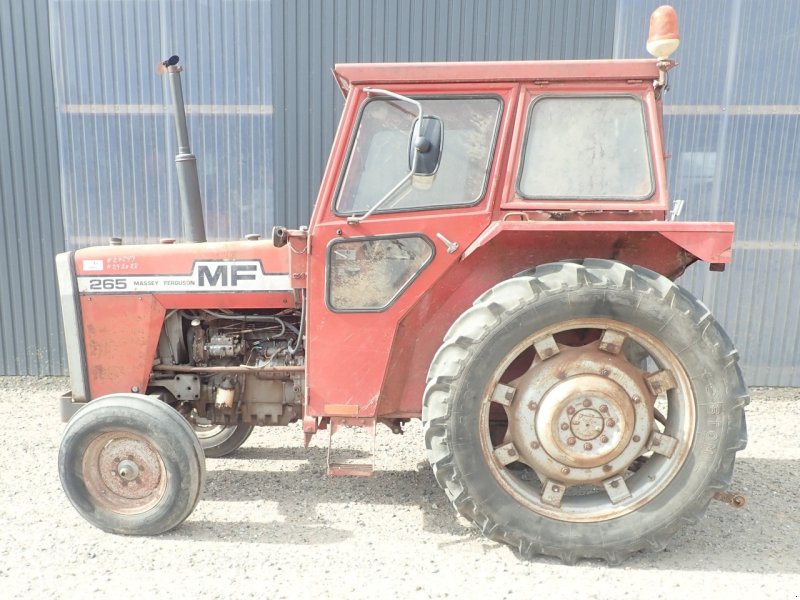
(310, 36)
(30, 221)
(733, 120)
(117, 141)
(116, 132)
(257, 78)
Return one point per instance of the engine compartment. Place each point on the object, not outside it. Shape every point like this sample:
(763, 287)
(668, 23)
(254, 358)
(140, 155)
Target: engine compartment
(225, 367)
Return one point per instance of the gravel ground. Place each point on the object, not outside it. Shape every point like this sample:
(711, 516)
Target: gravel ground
(272, 525)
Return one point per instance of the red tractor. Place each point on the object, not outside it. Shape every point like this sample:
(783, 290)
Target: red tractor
(491, 251)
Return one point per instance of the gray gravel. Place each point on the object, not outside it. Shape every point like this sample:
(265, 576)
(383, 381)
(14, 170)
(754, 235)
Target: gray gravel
(272, 525)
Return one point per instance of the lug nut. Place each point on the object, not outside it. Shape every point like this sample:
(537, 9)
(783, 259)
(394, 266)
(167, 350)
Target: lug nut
(587, 403)
(535, 445)
(532, 405)
(604, 438)
(564, 426)
(611, 422)
(604, 372)
(607, 468)
(587, 446)
(615, 484)
(636, 399)
(570, 410)
(636, 438)
(565, 470)
(603, 408)
(571, 441)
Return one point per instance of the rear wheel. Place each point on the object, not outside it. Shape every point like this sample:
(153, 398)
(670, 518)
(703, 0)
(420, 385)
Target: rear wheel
(585, 410)
(131, 464)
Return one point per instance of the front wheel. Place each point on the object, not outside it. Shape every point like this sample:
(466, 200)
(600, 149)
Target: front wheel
(584, 411)
(131, 464)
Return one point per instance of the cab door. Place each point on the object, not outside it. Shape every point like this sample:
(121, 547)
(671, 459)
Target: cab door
(380, 239)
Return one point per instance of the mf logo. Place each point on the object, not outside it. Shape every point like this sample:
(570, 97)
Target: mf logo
(227, 274)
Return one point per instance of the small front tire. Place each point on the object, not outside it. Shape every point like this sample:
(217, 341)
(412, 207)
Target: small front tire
(131, 465)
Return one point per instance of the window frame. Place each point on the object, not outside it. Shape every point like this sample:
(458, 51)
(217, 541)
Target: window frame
(572, 96)
(420, 97)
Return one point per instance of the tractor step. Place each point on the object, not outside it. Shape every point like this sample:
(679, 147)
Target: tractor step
(353, 465)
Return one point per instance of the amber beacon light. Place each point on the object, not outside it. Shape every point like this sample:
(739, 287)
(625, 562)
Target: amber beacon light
(664, 38)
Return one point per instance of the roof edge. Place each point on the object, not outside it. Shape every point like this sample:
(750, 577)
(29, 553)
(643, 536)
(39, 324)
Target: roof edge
(550, 70)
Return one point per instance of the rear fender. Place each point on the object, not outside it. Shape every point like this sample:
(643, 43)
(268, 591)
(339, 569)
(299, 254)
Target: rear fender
(509, 248)
(634, 242)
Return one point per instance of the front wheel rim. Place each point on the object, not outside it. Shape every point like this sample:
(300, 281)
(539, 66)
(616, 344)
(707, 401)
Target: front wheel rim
(123, 473)
(589, 435)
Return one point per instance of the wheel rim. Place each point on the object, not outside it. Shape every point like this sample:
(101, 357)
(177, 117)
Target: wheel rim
(123, 473)
(582, 433)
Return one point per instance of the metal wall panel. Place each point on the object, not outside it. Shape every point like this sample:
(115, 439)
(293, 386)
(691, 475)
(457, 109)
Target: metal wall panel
(116, 132)
(310, 36)
(30, 221)
(732, 119)
(116, 143)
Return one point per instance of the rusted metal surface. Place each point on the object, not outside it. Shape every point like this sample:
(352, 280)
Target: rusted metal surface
(584, 417)
(733, 499)
(285, 369)
(123, 473)
(581, 426)
(354, 469)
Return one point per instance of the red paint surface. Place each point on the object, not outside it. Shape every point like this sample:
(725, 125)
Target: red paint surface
(121, 334)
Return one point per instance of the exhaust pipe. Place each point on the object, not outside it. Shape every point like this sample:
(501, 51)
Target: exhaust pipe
(194, 228)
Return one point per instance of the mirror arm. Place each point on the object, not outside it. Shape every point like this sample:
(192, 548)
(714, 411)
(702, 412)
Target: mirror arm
(354, 220)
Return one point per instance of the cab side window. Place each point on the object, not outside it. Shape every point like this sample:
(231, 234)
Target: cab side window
(586, 147)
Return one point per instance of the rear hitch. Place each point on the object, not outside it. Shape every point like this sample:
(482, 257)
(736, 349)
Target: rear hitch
(734, 499)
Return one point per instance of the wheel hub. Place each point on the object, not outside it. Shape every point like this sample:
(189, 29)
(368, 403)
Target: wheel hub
(123, 472)
(580, 417)
(128, 470)
(587, 424)
(584, 421)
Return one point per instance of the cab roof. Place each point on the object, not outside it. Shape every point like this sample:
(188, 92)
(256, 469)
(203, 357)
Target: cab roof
(352, 74)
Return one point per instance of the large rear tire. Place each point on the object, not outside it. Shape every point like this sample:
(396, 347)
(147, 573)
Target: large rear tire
(131, 464)
(586, 410)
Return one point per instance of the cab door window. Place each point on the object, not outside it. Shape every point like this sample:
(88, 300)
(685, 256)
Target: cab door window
(369, 274)
(379, 155)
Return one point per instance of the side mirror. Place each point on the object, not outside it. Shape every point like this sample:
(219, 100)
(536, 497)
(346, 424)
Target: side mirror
(425, 146)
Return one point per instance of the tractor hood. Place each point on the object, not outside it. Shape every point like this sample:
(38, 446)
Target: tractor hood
(254, 266)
